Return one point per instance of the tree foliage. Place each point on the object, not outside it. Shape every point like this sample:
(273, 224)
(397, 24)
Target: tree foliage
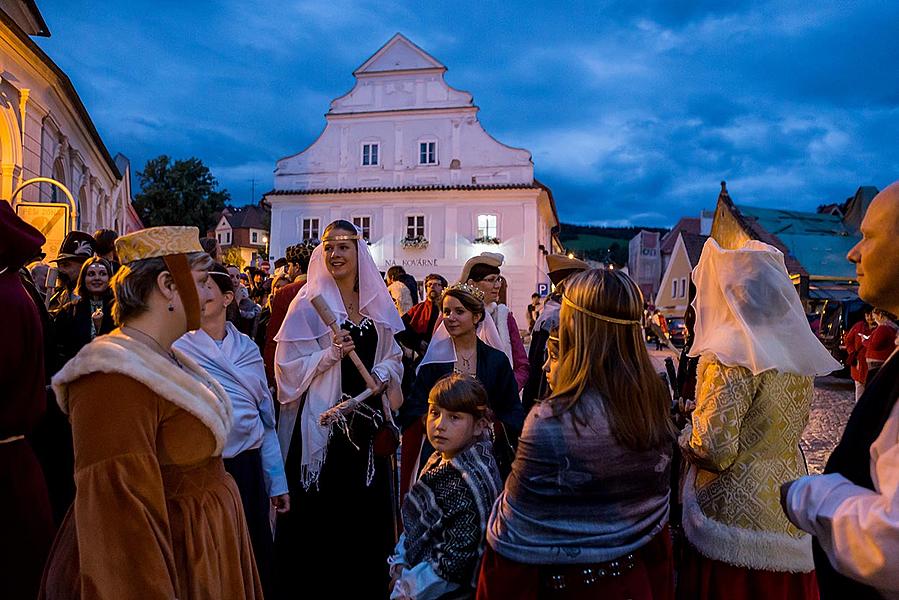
(232, 256)
(179, 192)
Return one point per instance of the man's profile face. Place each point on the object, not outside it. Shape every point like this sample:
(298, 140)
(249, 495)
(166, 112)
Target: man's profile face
(875, 256)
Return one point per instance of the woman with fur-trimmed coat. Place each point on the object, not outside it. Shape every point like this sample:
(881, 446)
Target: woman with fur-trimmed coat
(755, 381)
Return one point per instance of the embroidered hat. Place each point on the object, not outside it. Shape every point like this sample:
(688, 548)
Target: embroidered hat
(157, 242)
(490, 259)
(78, 245)
(560, 267)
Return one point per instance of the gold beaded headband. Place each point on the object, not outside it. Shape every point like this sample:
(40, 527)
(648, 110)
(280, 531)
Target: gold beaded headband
(466, 289)
(341, 238)
(605, 318)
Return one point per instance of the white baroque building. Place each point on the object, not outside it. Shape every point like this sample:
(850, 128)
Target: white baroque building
(45, 131)
(404, 157)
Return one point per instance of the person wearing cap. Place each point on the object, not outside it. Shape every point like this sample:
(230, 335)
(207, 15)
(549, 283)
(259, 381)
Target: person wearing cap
(26, 521)
(560, 268)
(483, 272)
(297, 257)
(155, 514)
(76, 248)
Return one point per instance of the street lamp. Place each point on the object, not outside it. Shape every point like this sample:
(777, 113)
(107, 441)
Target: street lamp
(265, 241)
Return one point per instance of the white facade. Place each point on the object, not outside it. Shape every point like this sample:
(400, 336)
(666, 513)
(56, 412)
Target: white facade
(45, 131)
(404, 154)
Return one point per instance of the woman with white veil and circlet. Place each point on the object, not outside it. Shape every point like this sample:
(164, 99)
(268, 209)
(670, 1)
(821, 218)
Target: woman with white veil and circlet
(343, 506)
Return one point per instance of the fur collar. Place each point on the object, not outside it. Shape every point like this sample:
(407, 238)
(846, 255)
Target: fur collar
(190, 388)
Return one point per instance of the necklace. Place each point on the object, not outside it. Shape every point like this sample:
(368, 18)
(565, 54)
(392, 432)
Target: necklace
(466, 362)
(166, 353)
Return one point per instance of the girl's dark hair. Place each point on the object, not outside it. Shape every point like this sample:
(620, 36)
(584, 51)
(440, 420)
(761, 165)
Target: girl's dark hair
(219, 274)
(480, 271)
(470, 303)
(460, 393)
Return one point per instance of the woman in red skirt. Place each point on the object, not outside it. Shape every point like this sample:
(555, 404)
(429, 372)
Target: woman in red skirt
(584, 512)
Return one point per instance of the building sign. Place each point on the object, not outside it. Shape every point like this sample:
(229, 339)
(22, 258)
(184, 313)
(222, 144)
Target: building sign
(543, 289)
(411, 262)
(51, 219)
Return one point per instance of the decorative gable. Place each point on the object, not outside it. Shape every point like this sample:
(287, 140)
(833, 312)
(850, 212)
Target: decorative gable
(398, 54)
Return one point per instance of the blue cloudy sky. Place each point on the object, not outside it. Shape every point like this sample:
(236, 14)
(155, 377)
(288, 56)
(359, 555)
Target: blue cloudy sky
(634, 111)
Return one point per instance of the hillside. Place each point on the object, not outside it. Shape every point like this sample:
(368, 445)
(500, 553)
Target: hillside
(604, 244)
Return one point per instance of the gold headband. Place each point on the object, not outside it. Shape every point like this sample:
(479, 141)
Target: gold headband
(466, 289)
(341, 238)
(590, 313)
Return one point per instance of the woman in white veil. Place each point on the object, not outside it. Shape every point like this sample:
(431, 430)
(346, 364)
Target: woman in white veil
(342, 501)
(466, 341)
(757, 363)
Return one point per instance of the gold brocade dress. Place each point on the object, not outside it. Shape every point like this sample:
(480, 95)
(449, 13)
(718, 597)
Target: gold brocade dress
(155, 513)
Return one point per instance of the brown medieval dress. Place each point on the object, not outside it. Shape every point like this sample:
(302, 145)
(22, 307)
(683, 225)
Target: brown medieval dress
(155, 513)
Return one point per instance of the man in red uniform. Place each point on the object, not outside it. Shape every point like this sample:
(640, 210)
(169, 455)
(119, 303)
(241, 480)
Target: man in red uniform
(297, 262)
(25, 517)
(858, 367)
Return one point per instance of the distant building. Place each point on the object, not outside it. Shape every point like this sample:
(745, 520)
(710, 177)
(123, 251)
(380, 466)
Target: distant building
(243, 228)
(645, 262)
(674, 292)
(815, 246)
(45, 131)
(404, 157)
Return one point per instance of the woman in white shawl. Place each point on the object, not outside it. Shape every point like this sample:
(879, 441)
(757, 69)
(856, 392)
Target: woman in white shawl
(252, 454)
(340, 530)
(757, 363)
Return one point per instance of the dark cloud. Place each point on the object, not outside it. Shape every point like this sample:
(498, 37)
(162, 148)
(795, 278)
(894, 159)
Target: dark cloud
(634, 111)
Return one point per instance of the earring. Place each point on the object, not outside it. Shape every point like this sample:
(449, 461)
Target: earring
(171, 307)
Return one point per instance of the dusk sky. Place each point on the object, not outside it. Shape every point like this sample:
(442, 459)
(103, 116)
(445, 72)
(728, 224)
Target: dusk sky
(633, 111)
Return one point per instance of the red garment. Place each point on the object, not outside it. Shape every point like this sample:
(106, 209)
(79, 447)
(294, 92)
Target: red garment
(701, 578)
(26, 521)
(419, 317)
(652, 578)
(882, 342)
(280, 302)
(856, 350)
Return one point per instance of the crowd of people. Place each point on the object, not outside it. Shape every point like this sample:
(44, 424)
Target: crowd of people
(174, 427)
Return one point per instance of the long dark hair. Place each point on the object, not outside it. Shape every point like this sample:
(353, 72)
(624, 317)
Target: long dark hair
(93, 260)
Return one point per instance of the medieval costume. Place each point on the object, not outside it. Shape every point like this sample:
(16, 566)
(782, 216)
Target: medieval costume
(252, 454)
(340, 487)
(155, 514)
(75, 328)
(851, 509)
(77, 246)
(26, 521)
(506, 326)
(445, 517)
(581, 515)
(502, 395)
(758, 360)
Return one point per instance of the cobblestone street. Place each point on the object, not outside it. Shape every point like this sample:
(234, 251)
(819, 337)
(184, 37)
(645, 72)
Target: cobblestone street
(833, 401)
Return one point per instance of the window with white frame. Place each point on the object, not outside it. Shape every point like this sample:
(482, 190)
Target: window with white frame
(255, 237)
(427, 152)
(674, 288)
(683, 287)
(363, 223)
(218, 237)
(370, 154)
(487, 226)
(310, 229)
(415, 226)
(227, 237)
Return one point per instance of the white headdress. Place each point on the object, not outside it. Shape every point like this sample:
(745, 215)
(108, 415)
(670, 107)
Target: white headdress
(748, 313)
(443, 350)
(302, 322)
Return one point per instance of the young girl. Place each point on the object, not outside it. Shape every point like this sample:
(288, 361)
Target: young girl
(551, 366)
(445, 513)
